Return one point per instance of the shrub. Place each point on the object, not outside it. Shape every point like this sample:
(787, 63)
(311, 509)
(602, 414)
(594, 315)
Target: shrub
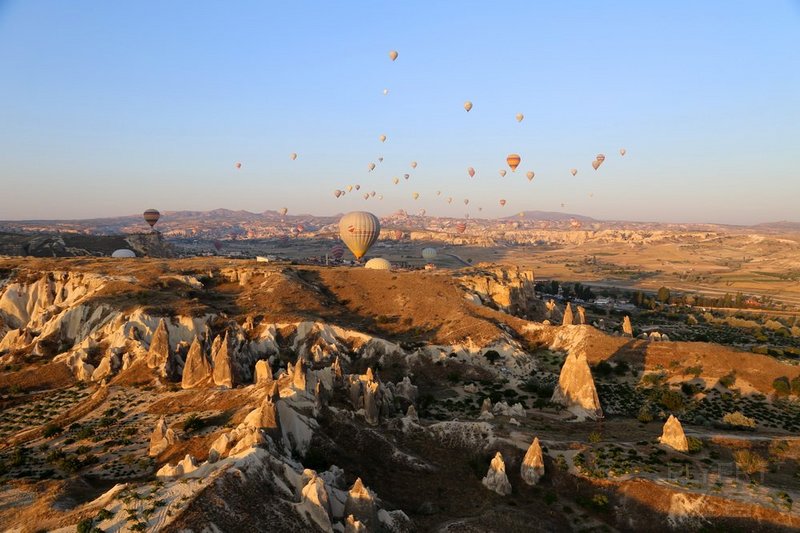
(595, 437)
(728, 379)
(86, 525)
(749, 462)
(695, 444)
(492, 356)
(644, 415)
(603, 368)
(51, 430)
(796, 385)
(782, 386)
(622, 368)
(193, 423)
(693, 371)
(670, 400)
(739, 420)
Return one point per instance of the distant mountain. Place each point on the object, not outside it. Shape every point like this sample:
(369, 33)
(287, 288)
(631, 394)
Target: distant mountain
(783, 225)
(549, 215)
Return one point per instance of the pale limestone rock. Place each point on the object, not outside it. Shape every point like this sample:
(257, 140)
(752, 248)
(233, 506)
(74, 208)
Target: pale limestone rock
(252, 437)
(158, 353)
(223, 365)
(219, 448)
(673, 435)
(185, 466)
(406, 389)
(568, 318)
(197, 369)
(411, 414)
(351, 525)
(299, 381)
(263, 372)
(532, 468)
(576, 390)
(371, 401)
(486, 410)
(338, 374)
(360, 504)
(496, 479)
(627, 328)
(315, 494)
(581, 315)
(161, 438)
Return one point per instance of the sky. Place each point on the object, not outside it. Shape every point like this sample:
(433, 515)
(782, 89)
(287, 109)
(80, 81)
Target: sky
(109, 108)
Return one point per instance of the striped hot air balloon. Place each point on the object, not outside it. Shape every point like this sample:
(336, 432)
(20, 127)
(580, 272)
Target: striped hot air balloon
(359, 230)
(513, 161)
(337, 251)
(461, 227)
(151, 216)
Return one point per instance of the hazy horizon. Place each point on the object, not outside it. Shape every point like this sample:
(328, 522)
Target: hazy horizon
(110, 109)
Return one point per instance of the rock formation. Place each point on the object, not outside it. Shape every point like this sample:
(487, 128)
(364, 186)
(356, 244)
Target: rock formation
(405, 389)
(161, 438)
(266, 415)
(496, 478)
(263, 372)
(673, 435)
(360, 504)
(299, 376)
(411, 414)
(197, 369)
(576, 390)
(316, 495)
(371, 399)
(532, 468)
(581, 315)
(185, 466)
(627, 329)
(568, 318)
(159, 355)
(223, 365)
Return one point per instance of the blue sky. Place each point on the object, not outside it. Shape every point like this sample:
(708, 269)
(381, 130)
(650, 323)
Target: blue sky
(108, 108)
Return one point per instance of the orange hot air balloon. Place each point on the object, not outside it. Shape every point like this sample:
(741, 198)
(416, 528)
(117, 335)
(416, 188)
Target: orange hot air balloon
(520, 116)
(349, 188)
(151, 216)
(393, 55)
(502, 203)
(513, 161)
(468, 105)
(573, 171)
(471, 172)
(530, 175)
(415, 195)
(461, 227)
(398, 234)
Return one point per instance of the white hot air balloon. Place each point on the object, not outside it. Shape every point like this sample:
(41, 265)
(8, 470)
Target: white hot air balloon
(530, 175)
(378, 263)
(428, 253)
(371, 167)
(396, 180)
(413, 164)
(293, 156)
(385, 92)
(622, 151)
(123, 253)
(573, 171)
(382, 138)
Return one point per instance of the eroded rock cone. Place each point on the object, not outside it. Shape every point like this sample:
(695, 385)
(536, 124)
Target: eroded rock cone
(673, 435)
(532, 468)
(299, 376)
(360, 504)
(263, 373)
(496, 478)
(568, 318)
(371, 400)
(581, 315)
(197, 370)
(223, 365)
(627, 328)
(576, 390)
(158, 353)
(315, 494)
(161, 438)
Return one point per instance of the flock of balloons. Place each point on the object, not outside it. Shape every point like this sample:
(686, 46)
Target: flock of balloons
(359, 230)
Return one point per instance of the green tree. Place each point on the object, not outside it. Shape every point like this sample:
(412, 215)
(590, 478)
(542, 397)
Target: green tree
(663, 295)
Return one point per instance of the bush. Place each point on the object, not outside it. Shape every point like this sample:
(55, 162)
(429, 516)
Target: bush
(695, 444)
(739, 420)
(603, 368)
(193, 423)
(749, 462)
(492, 356)
(86, 525)
(51, 430)
(595, 437)
(671, 400)
(782, 386)
(728, 379)
(644, 415)
(622, 368)
(796, 386)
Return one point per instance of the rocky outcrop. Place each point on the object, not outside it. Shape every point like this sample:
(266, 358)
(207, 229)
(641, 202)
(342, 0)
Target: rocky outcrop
(576, 390)
(496, 478)
(223, 365)
(581, 315)
(532, 468)
(161, 438)
(158, 353)
(406, 389)
(568, 318)
(197, 370)
(186, 466)
(627, 328)
(361, 505)
(263, 373)
(371, 399)
(299, 378)
(673, 435)
(510, 289)
(315, 495)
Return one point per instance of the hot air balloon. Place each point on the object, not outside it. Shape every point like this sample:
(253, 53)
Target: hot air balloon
(337, 251)
(300, 228)
(449, 199)
(382, 138)
(385, 92)
(438, 193)
(595, 164)
(573, 171)
(468, 105)
(622, 151)
(413, 164)
(428, 253)
(471, 172)
(366, 196)
(461, 227)
(530, 175)
(284, 211)
(123, 253)
(349, 188)
(293, 156)
(396, 180)
(574, 223)
(337, 193)
(380, 197)
(371, 167)
(466, 201)
(359, 230)
(415, 195)
(398, 234)
(218, 245)
(513, 161)
(502, 203)
(372, 193)
(378, 263)
(151, 216)
(393, 55)
(406, 176)
(238, 165)
(520, 116)
(600, 157)
(480, 209)
(502, 173)
(380, 160)
(358, 187)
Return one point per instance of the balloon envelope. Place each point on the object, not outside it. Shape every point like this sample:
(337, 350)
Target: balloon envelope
(573, 171)
(520, 116)
(467, 105)
(393, 55)
(413, 164)
(151, 216)
(622, 151)
(461, 227)
(530, 175)
(293, 156)
(471, 172)
(502, 173)
(359, 230)
(513, 161)
(502, 203)
(123, 253)
(371, 167)
(378, 263)
(428, 253)
(382, 138)
(595, 164)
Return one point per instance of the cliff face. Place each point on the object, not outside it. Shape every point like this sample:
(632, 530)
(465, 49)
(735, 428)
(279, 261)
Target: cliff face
(510, 289)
